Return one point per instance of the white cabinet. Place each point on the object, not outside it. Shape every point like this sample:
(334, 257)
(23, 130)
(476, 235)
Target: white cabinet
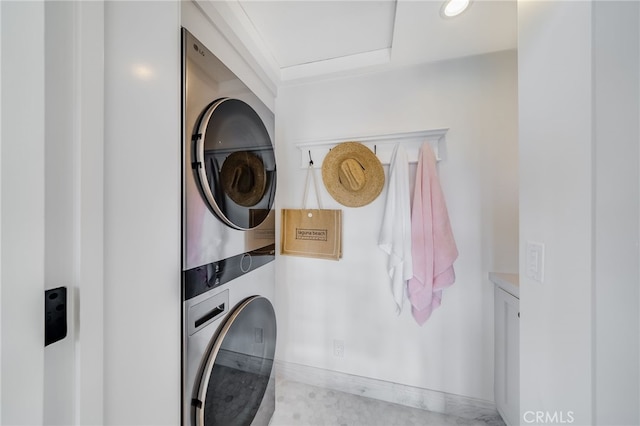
(507, 356)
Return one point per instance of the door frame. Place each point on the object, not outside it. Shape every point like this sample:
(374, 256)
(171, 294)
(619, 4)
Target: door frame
(24, 218)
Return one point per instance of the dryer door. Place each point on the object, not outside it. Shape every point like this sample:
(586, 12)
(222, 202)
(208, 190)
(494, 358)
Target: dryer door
(237, 369)
(234, 163)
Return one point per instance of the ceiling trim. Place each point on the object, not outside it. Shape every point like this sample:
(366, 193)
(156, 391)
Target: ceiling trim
(237, 22)
(336, 65)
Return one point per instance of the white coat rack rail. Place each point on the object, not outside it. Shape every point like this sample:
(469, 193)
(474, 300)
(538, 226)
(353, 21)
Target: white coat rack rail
(381, 145)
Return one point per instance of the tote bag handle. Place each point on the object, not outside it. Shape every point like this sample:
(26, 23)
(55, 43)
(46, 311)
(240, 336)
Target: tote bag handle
(311, 172)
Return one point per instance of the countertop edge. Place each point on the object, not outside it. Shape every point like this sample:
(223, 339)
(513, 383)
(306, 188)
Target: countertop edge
(507, 282)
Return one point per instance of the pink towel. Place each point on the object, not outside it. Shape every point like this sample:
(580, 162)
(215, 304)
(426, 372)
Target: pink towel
(432, 245)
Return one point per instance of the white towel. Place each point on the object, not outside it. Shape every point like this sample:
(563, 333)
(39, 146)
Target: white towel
(395, 232)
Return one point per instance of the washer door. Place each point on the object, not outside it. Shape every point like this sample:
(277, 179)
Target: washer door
(237, 369)
(234, 163)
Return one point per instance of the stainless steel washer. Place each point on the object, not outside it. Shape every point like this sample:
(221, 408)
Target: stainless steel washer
(230, 341)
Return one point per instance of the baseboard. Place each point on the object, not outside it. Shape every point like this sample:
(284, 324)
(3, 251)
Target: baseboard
(439, 402)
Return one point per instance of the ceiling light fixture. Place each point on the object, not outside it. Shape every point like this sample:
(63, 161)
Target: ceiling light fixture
(452, 8)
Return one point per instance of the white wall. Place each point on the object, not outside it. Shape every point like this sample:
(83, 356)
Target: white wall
(616, 135)
(142, 213)
(318, 301)
(22, 213)
(578, 93)
(554, 72)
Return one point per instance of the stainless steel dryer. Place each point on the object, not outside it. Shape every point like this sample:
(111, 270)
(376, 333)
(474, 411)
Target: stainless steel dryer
(228, 246)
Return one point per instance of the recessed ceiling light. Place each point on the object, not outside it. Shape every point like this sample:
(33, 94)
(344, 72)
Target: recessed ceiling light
(452, 8)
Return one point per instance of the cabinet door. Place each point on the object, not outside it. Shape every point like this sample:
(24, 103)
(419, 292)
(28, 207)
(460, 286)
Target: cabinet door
(507, 356)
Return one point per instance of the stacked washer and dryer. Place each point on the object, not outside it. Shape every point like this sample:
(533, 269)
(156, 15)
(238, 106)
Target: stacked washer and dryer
(228, 237)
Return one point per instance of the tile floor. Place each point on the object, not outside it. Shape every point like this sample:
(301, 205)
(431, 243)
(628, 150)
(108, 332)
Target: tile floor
(299, 404)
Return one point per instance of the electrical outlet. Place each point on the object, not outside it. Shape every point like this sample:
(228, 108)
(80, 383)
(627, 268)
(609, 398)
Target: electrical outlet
(338, 348)
(535, 261)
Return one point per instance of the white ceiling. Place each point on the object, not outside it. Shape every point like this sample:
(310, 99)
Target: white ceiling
(300, 39)
(309, 31)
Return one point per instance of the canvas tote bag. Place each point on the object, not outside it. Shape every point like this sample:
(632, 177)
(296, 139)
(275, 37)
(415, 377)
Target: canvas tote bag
(311, 232)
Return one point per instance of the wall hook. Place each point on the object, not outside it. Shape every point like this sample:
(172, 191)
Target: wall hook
(310, 159)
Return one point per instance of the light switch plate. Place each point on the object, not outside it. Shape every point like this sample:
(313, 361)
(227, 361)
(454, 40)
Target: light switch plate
(535, 261)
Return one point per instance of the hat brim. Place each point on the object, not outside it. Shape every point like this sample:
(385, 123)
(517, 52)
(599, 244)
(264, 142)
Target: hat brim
(372, 169)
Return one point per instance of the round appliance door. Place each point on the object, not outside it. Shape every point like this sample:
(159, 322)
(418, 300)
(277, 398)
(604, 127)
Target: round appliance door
(238, 366)
(234, 163)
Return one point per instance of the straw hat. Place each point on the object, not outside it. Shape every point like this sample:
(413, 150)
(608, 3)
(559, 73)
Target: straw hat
(352, 174)
(243, 178)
